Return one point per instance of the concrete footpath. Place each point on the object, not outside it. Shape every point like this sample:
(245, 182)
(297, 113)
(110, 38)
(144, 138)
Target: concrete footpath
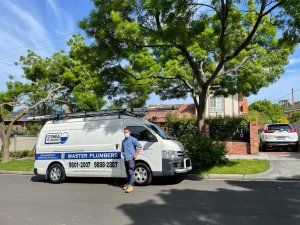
(283, 166)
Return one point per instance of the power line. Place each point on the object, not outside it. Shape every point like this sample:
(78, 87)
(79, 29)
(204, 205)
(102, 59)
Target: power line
(286, 95)
(34, 43)
(10, 56)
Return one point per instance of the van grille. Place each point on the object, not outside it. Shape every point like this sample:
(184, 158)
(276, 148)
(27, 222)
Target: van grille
(180, 154)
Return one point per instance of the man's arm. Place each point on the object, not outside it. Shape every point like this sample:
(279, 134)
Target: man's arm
(138, 148)
(137, 152)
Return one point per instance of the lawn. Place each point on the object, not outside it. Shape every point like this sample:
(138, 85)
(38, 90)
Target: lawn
(17, 165)
(237, 166)
(234, 166)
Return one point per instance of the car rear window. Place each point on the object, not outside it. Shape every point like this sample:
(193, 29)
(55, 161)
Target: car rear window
(284, 127)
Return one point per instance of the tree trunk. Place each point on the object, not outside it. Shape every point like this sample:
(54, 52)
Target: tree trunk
(5, 148)
(201, 106)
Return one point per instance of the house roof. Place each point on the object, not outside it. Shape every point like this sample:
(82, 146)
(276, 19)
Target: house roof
(181, 110)
(22, 119)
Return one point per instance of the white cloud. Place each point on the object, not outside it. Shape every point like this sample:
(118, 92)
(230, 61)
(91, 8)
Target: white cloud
(64, 21)
(294, 61)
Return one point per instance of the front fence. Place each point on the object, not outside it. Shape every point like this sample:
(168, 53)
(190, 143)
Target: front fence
(229, 133)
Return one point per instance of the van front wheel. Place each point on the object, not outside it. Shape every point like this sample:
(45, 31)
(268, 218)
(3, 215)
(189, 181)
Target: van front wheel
(56, 174)
(142, 174)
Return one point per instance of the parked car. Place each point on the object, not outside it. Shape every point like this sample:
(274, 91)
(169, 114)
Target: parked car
(278, 135)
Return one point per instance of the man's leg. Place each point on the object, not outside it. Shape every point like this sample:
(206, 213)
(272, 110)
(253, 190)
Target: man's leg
(131, 171)
(127, 173)
(131, 164)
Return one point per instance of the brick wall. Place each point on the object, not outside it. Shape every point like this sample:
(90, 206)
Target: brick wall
(244, 148)
(237, 148)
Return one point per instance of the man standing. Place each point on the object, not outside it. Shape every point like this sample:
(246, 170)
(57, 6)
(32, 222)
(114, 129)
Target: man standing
(130, 149)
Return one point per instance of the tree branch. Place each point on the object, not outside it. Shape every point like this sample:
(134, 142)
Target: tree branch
(192, 64)
(235, 69)
(149, 76)
(209, 6)
(12, 104)
(53, 90)
(255, 27)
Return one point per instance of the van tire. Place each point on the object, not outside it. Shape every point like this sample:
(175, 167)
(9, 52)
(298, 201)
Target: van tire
(56, 173)
(142, 174)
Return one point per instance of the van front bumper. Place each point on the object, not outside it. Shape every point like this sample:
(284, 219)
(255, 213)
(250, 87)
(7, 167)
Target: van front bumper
(171, 167)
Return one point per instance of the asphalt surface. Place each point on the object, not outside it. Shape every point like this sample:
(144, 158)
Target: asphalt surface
(29, 200)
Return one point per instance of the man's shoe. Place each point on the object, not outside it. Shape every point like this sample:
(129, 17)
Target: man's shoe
(129, 189)
(125, 186)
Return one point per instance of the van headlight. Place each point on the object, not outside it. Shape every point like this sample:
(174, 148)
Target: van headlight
(169, 154)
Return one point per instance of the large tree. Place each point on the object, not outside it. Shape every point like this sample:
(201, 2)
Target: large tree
(51, 83)
(17, 95)
(177, 48)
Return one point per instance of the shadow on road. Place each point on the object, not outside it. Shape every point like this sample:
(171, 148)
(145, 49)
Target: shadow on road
(118, 182)
(245, 203)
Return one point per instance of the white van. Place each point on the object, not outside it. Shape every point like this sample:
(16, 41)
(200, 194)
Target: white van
(90, 146)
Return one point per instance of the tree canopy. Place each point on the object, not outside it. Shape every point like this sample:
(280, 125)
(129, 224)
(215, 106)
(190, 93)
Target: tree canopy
(271, 112)
(177, 48)
(83, 90)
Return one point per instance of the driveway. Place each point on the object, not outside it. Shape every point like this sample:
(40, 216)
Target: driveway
(284, 165)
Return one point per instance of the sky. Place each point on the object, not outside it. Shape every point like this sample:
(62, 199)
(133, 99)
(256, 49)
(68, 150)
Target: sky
(44, 26)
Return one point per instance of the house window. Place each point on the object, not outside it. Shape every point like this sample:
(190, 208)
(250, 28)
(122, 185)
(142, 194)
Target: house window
(216, 104)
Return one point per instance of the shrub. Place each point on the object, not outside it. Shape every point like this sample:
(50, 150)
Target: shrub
(181, 127)
(228, 128)
(259, 117)
(204, 152)
(33, 129)
(295, 116)
(21, 154)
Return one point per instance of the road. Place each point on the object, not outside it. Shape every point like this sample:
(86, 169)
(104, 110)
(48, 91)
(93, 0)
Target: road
(27, 200)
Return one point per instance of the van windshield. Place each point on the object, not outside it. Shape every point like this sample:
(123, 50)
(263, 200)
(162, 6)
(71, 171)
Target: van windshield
(159, 131)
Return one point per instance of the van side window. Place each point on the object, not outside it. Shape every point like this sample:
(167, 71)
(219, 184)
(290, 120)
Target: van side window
(141, 133)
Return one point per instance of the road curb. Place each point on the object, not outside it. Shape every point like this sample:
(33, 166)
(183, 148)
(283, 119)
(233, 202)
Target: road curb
(3, 172)
(215, 176)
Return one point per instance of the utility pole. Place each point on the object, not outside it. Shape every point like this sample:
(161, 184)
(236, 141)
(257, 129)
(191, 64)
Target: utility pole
(293, 100)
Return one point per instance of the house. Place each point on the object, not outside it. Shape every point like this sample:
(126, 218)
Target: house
(180, 110)
(232, 105)
(20, 125)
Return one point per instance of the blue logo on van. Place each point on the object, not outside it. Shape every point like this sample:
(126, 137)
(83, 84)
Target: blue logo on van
(63, 138)
(56, 138)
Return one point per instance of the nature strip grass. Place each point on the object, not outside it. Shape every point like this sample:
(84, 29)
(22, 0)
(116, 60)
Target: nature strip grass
(237, 166)
(234, 166)
(17, 165)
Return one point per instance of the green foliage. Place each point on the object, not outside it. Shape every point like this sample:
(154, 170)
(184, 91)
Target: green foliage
(204, 152)
(294, 117)
(20, 154)
(228, 128)
(273, 111)
(181, 127)
(83, 91)
(33, 129)
(177, 48)
(227, 121)
(259, 117)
